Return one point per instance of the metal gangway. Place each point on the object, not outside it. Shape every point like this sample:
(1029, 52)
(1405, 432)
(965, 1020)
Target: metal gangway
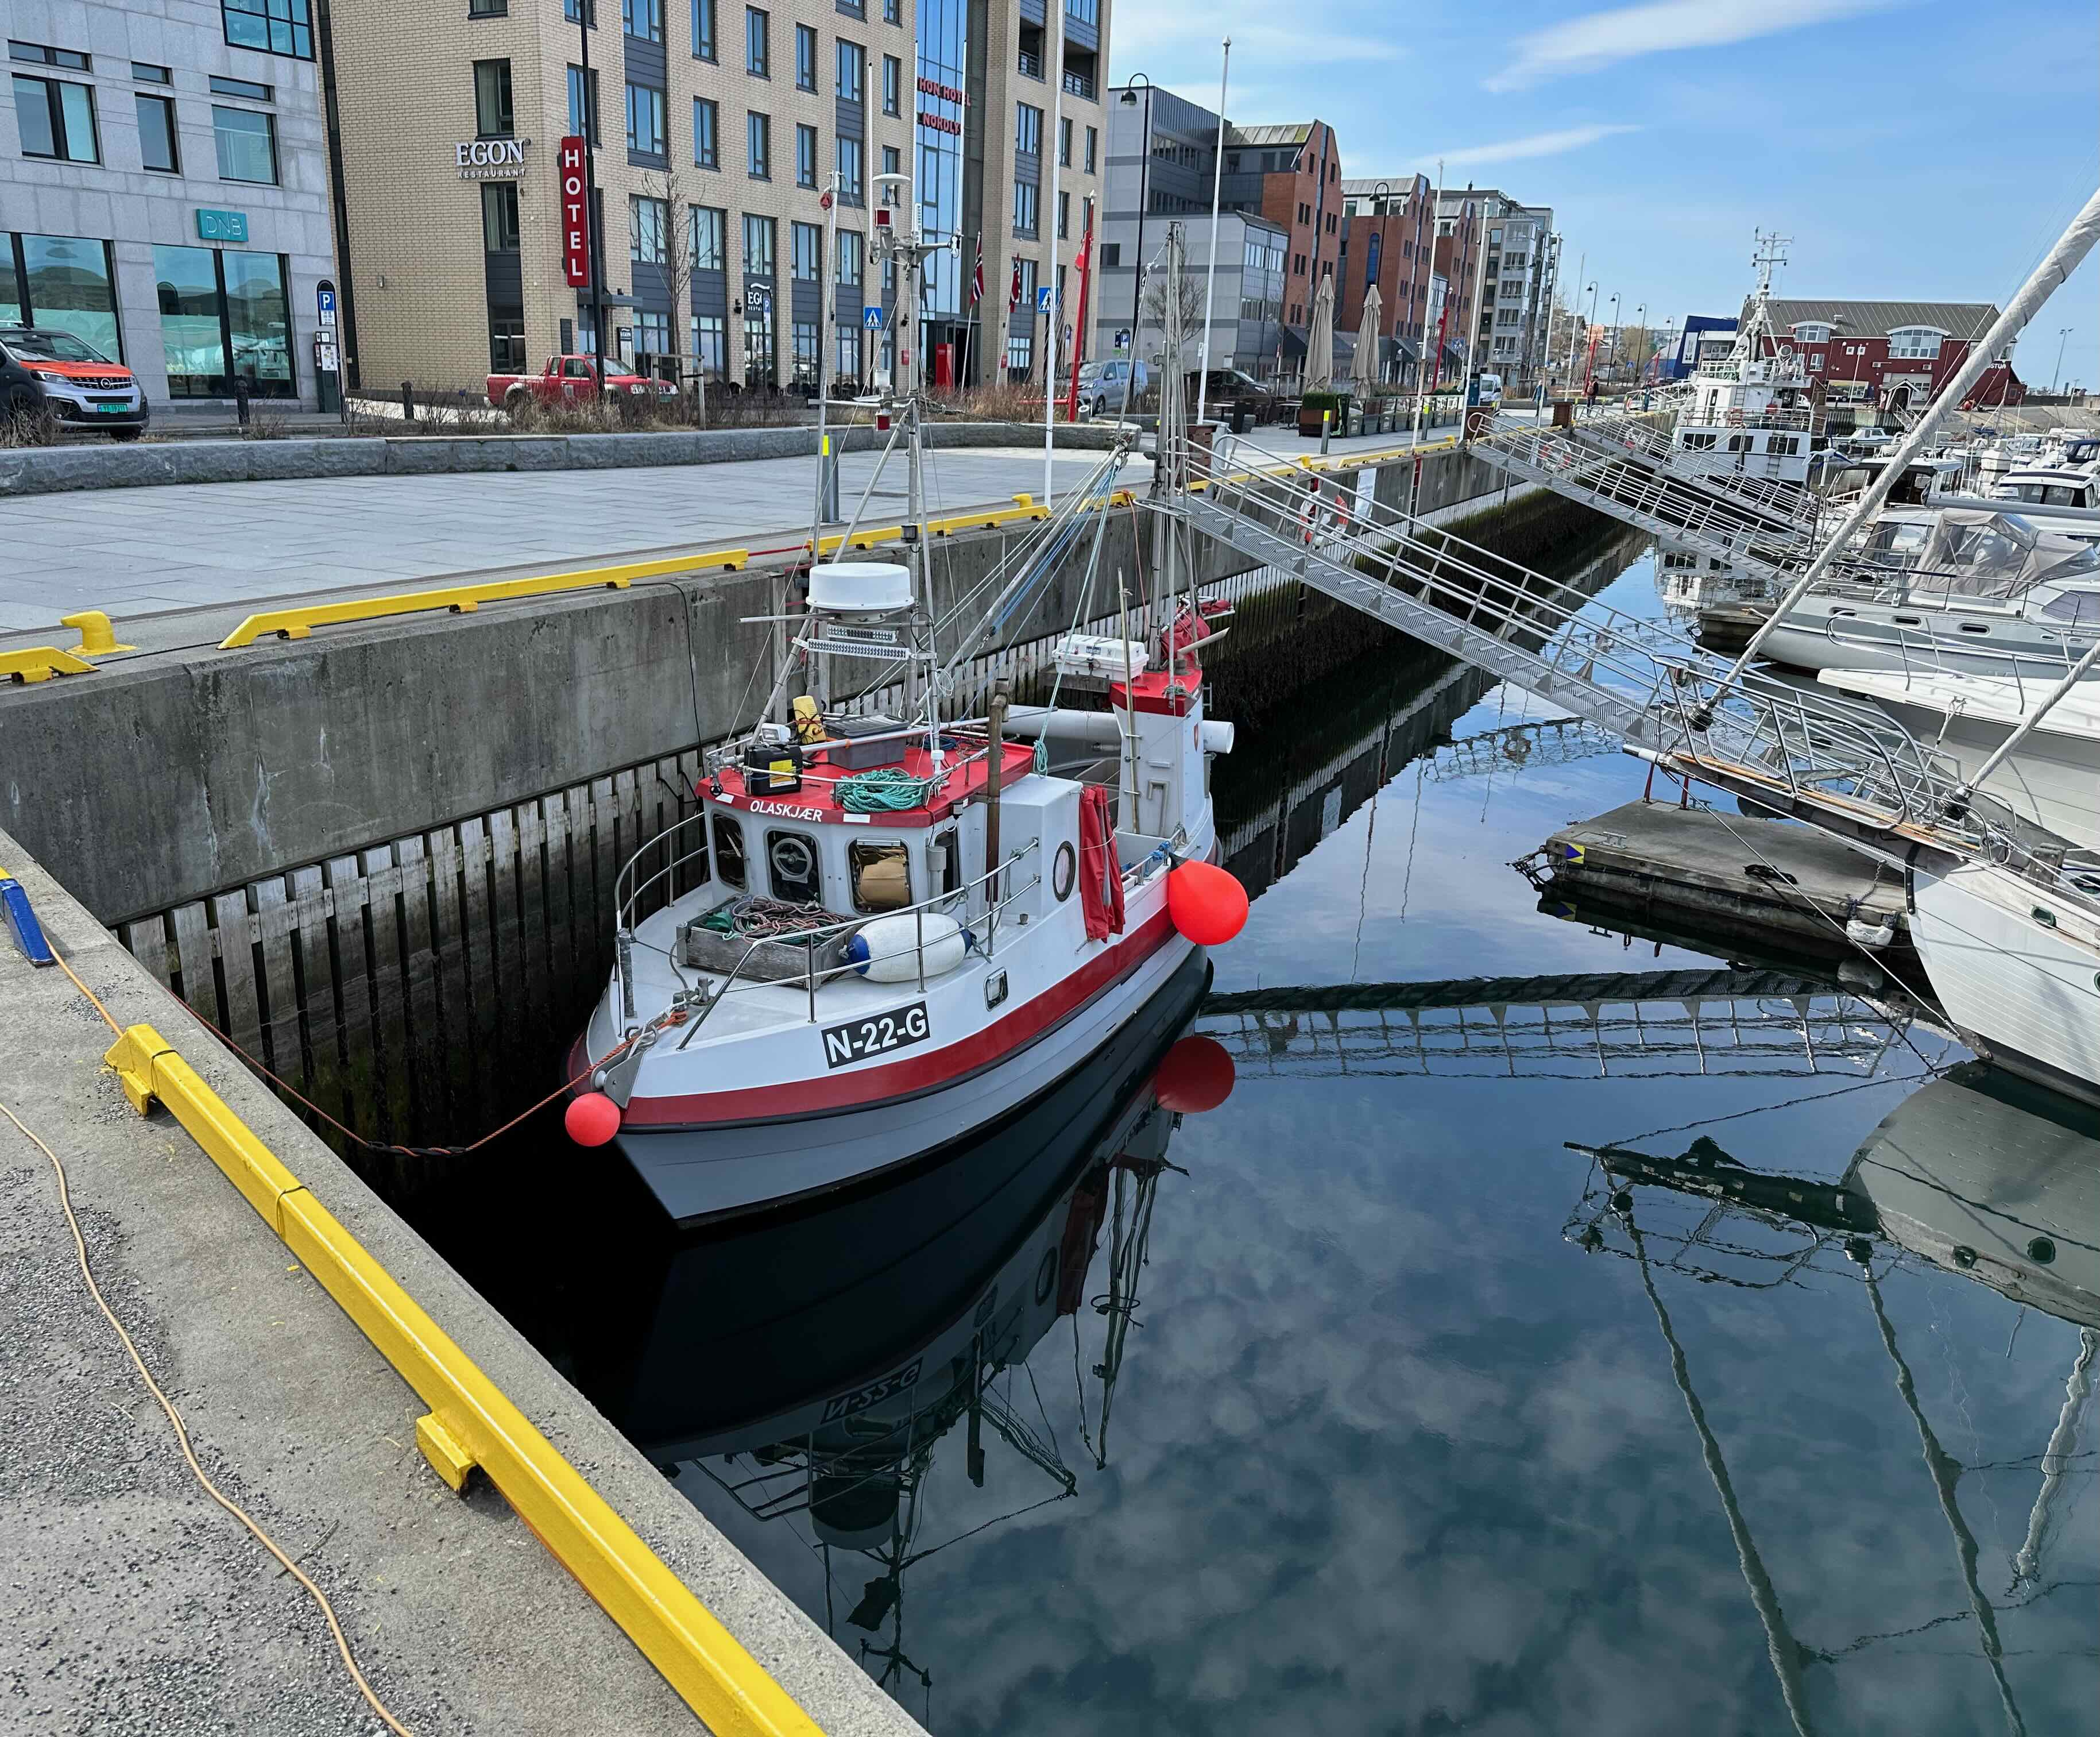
(1542, 742)
(1810, 755)
(1681, 509)
(1583, 1025)
(1618, 433)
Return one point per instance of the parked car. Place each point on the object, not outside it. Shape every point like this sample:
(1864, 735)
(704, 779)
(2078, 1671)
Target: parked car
(1103, 383)
(570, 377)
(1230, 386)
(41, 367)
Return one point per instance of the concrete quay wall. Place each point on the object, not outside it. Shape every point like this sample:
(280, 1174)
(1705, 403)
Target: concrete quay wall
(57, 469)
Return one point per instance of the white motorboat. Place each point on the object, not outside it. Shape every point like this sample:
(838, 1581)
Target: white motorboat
(2053, 779)
(1974, 591)
(876, 935)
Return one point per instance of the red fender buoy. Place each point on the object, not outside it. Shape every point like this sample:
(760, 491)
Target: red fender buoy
(592, 1118)
(1196, 1075)
(1206, 904)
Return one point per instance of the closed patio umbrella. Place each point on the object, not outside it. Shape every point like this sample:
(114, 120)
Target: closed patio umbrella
(1364, 369)
(1320, 341)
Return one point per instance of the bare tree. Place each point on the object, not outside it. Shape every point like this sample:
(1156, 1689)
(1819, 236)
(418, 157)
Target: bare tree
(680, 259)
(1152, 308)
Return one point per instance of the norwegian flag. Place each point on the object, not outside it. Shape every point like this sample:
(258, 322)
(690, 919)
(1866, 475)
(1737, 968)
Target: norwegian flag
(1013, 290)
(977, 277)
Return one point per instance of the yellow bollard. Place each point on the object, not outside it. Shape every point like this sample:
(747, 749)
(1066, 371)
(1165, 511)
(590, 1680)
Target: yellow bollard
(98, 638)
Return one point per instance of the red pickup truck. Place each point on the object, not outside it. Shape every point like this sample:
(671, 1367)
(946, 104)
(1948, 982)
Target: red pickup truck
(570, 377)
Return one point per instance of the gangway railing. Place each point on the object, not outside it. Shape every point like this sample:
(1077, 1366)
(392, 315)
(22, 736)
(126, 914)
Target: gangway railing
(1812, 754)
(1789, 503)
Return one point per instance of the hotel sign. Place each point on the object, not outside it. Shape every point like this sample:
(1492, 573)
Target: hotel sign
(576, 219)
(490, 159)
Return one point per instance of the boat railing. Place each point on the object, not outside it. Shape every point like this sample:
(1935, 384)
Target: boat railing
(692, 1007)
(1927, 657)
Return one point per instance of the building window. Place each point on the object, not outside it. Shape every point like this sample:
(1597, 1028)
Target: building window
(648, 221)
(805, 58)
(56, 119)
(506, 343)
(845, 360)
(1064, 143)
(1093, 148)
(757, 49)
(1027, 130)
(710, 238)
(852, 191)
(577, 105)
(69, 286)
(492, 98)
(642, 20)
(802, 337)
(151, 75)
(645, 121)
(38, 55)
(273, 27)
(1020, 349)
(216, 303)
(893, 85)
(652, 333)
(850, 257)
(757, 246)
(247, 145)
(1027, 271)
(758, 144)
(852, 72)
(499, 217)
(806, 156)
(704, 29)
(710, 334)
(156, 134)
(893, 163)
(1914, 343)
(1063, 215)
(573, 11)
(892, 12)
(706, 133)
(1026, 198)
(805, 252)
(489, 8)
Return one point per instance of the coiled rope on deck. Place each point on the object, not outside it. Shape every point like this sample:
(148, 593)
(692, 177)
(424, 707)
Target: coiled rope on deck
(883, 790)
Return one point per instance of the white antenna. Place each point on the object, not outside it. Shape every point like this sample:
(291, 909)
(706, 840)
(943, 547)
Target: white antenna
(1770, 253)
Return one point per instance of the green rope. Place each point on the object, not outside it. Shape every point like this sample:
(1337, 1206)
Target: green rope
(884, 788)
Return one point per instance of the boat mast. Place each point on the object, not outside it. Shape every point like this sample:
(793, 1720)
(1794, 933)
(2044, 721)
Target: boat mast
(2063, 259)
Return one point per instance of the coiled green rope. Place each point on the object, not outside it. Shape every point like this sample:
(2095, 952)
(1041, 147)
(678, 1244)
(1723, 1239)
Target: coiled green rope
(884, 788)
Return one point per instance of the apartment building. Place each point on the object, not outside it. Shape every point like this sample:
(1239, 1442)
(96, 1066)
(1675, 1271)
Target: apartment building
(1508, 253)
(1389, 236)
(163, 188)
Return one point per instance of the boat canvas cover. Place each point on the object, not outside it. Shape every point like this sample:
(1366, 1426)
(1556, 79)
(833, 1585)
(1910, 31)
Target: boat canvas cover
(1976, 553)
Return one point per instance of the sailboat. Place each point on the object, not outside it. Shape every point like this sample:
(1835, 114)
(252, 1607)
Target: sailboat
(877, 934)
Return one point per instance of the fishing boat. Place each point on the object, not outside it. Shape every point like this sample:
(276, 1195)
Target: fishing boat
(1756, 413)
(876, 933)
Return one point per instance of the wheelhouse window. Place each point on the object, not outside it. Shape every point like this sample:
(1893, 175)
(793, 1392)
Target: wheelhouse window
(796, 869)
(729, 850)
(881, 874)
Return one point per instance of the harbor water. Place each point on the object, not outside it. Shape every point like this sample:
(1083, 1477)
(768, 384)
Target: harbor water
(1642, 1341)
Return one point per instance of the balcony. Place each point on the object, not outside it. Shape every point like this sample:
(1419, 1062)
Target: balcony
(1031, 64)
(1080, 84)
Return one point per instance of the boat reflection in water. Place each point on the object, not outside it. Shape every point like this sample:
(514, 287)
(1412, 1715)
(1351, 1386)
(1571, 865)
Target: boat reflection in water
(1978, 1174)
(810, 1363)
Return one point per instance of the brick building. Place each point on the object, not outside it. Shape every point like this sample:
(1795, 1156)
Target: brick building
(718, 128)
(1890, 353)
(1389, 229)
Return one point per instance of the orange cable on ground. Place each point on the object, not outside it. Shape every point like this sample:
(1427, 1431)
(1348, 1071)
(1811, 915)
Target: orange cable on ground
(175, 1417)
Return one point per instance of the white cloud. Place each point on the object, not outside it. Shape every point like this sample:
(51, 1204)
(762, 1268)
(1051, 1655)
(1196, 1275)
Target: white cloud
(1195, 33)
(1584, 44)
(1533, 144)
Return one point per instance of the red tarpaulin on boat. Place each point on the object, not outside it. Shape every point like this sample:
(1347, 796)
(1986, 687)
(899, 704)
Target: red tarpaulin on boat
(1100, 877)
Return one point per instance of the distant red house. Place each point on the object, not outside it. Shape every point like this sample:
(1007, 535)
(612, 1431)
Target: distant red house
(1894, 352)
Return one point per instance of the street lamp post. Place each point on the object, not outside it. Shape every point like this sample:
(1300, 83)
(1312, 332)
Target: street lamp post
(1380, 194)
(1129, 99)
(1640, 326)
(1588, 347)
(1614, 361)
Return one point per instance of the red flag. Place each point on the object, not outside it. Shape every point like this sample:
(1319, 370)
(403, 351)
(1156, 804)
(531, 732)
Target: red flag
(1013, 293)
(977, 278)
(824, 204)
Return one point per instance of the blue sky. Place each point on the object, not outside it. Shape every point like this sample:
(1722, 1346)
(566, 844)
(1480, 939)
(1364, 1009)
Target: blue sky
(1925, 149)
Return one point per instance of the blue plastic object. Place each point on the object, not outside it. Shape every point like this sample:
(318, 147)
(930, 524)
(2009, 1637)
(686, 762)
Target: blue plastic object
(22, 921)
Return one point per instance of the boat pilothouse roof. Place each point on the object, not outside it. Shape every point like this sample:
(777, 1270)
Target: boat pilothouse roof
(877, 932)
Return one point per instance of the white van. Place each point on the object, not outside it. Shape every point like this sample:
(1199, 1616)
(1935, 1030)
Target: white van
(1491, 390)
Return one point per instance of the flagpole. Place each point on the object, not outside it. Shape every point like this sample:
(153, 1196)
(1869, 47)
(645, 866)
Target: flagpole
(1053, 148)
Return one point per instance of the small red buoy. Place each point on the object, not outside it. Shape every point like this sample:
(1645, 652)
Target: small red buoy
(1206, 905)
(1196, 1075)
(592, 1119)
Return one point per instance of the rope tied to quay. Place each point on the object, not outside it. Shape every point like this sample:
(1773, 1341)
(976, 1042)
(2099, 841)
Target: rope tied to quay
(175, 1417)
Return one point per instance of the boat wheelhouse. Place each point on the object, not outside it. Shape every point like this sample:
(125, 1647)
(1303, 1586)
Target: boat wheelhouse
(1752, 413)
